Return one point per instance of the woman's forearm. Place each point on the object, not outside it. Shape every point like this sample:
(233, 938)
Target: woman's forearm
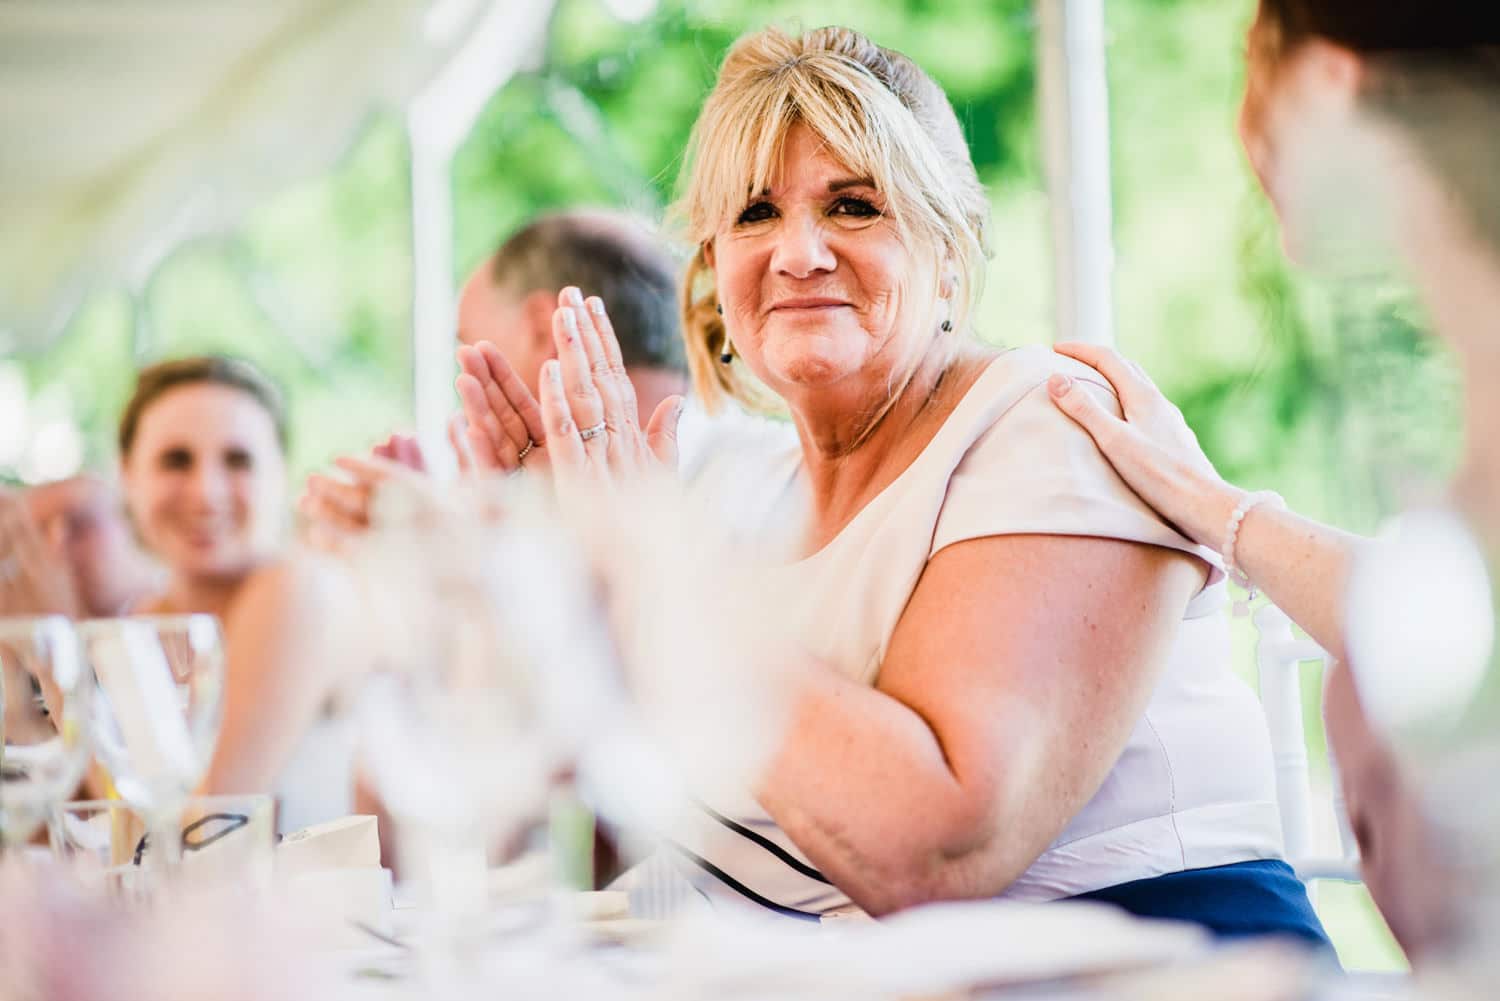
(1302, 565)
(863, 787)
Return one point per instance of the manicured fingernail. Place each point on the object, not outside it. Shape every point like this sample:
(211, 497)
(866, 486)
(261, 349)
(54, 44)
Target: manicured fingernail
(1059, 385)
(596, 305)
(570, 320)
(575, 297)
(554, 371)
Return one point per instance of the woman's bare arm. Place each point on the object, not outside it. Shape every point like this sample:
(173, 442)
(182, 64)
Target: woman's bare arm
(1301, 565)
(284, 661)
(1009, 690)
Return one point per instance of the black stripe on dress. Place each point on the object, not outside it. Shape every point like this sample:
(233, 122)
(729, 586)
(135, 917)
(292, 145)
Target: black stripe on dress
(769, 845)
(742, 889)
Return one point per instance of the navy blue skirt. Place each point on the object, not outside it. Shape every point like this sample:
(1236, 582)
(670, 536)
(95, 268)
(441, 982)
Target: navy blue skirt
(1241, 900)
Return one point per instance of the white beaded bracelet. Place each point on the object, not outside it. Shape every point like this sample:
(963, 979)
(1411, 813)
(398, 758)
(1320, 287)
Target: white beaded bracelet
(1247, 503)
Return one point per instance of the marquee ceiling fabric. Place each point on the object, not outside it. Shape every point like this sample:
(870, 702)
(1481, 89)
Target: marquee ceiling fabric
(127, 125)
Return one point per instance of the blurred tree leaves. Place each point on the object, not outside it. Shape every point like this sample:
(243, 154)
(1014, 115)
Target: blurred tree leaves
(1327, 391)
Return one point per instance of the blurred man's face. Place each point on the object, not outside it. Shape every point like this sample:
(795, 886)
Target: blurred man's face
(519, 325)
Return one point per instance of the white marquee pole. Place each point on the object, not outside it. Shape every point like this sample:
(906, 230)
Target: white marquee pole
(1074, 97)
(508, 36)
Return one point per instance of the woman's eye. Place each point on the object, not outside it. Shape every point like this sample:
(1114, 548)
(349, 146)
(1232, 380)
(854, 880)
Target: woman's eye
(859, 208)
(237, 459)
(177, 458)
(759, 212)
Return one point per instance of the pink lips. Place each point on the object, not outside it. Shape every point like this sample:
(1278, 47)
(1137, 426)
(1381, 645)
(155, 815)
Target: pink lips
(809, 302)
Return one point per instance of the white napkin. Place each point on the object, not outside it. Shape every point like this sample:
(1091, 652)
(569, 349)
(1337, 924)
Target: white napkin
(330, 874)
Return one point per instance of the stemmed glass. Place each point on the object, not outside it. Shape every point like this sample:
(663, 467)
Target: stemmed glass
(491, 660)
(160, 698)
(46, 690)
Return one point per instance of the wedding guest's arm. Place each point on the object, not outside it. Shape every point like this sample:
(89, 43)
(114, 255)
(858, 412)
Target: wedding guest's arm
(289, 641)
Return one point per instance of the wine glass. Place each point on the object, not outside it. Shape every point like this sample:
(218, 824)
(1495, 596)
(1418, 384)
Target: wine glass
(160, 698)
(490, 661)
(46, 694)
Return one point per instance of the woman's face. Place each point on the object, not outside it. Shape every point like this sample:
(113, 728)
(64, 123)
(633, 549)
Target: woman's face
(818, 289)
(1298, 127)
(205, 480)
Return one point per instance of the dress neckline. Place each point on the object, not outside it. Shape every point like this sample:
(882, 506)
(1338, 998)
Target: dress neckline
(945, 428)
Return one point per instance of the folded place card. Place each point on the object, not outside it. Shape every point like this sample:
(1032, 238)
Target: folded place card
(346, 843)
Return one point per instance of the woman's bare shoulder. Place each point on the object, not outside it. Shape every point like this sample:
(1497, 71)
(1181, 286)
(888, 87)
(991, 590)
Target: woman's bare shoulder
(301, 585)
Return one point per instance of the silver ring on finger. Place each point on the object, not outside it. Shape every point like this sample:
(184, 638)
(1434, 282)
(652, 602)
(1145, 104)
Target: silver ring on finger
(521, 455)
(592, 432)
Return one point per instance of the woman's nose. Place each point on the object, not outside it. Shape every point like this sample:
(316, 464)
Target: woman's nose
(802, 247)
(209, 485)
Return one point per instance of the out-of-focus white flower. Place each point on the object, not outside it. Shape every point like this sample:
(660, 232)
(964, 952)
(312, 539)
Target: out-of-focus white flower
(1421, 622)
(62, 942)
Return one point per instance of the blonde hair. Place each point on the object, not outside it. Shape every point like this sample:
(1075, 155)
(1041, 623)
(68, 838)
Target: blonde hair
(879, 114)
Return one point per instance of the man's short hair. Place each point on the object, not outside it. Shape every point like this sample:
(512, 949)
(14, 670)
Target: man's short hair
(605, 254)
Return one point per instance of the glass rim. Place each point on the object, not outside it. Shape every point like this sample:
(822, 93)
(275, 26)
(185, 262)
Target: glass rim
(98, 623)
(213, 799)
(16, 625)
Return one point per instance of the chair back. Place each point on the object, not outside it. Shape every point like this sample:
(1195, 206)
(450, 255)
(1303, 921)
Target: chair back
(1279, 657)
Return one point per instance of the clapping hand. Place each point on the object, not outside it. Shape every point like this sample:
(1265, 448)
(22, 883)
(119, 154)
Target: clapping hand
(338, 508)
(504, 422)
(34, 577)
(585, 424)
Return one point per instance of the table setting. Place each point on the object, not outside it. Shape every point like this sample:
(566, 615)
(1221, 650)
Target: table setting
(497, 705)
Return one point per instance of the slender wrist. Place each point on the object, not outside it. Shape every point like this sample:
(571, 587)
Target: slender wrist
(1214, 501)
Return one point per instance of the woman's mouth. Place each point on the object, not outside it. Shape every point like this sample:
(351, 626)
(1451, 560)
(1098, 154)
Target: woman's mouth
(807, 304)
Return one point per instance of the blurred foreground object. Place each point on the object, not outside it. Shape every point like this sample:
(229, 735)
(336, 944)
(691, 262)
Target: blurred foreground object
(84, 518)
(47, 695)
(62, 942)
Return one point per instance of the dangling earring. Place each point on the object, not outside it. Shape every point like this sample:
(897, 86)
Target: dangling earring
(726, 353)
(946, 288)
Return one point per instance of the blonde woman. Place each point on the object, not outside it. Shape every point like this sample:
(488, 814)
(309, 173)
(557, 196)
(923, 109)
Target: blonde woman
(1014, 679)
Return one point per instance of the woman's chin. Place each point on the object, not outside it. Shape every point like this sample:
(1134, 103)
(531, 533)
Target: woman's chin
(207, 560)
(814, 365)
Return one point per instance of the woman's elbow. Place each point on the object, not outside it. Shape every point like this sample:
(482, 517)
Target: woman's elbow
(963, 859)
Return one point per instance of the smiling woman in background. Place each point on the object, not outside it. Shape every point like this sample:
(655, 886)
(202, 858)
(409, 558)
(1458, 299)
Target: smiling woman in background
(203, 467)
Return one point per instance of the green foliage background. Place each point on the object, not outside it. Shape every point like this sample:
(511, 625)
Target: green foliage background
(1327, 391)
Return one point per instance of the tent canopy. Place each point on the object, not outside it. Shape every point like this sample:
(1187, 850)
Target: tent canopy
(129, 125)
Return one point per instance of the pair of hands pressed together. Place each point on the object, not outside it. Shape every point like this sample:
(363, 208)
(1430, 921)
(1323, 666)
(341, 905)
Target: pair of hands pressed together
(584, 427)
